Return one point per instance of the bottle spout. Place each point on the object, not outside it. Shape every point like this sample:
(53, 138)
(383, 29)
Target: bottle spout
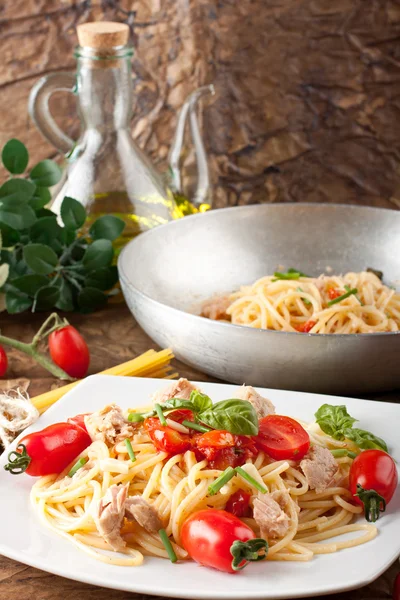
(188, 111)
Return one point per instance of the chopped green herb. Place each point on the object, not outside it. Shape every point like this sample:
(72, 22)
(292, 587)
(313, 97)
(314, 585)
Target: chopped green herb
(351, 292)
(195, 426)
(130, 450)
(306, 302)
(221, 481)
(168, 546)
(135, 417)
(348, 289)
(160, 414)
(339, 452)
(251, 480)
(78, 465)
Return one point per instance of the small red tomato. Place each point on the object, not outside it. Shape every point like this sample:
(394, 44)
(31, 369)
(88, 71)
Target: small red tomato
(238, 504)
(396, 588)
(79, 420)
(373, 481)
(69, 351)
(3, 361)
(333, 293)
(216, 439)
(48, 451)
(181, 414)
(282, 438)
(165, 438)
(306, 327)
(215, 538)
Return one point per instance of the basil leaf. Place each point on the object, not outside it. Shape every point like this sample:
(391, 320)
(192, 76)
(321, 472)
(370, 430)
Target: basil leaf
(16, 192)
(333, 420)
(236, 416)
(365, 439)
(30, 284)
(107, 227)
(72, 213)
(15, 157)
(41, 259)
(102, 279)
(200, 401)
(9, 236)
(17, 302)
(90, 299)
(98, 255)
(45, 231)
(40, 198)
(66, 299)
(46, 298)
(17, 217)
(177, 403)
(46, 173)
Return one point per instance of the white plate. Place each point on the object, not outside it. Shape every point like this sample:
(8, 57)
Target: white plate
(23, 538)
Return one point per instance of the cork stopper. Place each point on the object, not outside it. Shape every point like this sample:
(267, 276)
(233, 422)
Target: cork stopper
(102, 34)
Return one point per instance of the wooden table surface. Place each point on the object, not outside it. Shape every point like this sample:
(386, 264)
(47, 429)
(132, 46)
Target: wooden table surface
(113, 337)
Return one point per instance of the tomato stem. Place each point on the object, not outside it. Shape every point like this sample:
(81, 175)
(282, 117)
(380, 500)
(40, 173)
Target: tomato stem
(52, 323)
(373, 502)
(18, 461)
(250, 551)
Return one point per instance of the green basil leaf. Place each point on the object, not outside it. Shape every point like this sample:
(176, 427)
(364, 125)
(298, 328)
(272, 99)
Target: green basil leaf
(236, 416)
(40, 198)
(102, 279)
(72, 213)
(30, 284)
(107, 227)
(16, 192)
(98, 255)
(333, 420)
(9, 236)
(66, 299)
(45, 231)
(15, 157)
(17, 217)
(41, 259)
(44, 212)
(365, 439)
(46, 298)
(68, 236)
(200, 401)
(16, 302)
(177, 403)
(90, 299)
(46, 173)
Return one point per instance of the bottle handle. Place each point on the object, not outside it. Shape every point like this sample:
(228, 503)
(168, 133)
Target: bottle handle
(39, 111)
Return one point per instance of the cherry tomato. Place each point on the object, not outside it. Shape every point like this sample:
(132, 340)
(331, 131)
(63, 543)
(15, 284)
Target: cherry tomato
(165, 438)
(3, 361)
(373, 480)
(223, 449)
(79, 420)
(69, 351)
(215, 538)
(396, 588)
(216, 439)
(334, 293)
(282, 438)
(306, 327)
(48, 451)
(181, 414)
(238, 504)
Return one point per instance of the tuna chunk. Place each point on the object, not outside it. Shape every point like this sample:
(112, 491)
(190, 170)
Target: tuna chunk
(177, 389)
(110, 516)
(143, 513)
(320, 468)
(262, 406)
(216, 308)
(269, 514)
(109, 425)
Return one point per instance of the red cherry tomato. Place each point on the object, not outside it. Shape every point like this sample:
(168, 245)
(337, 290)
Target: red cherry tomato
(79, 420)
(3, 361)
(216, 439)
(181, 414)
(210, 535)
(282, 438)
(165, 438)
(48, 451)
(223, 449)
(396, 588)
(373, 480)
(69, 351)
(333, 293)
(306, 327)
(238, 504)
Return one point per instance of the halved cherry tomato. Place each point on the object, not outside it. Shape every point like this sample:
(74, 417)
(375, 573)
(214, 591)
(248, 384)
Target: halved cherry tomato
(223, 449)
(216, 439)
(306, 327)
(69, 351)
(181, 414)
(396, 588)
(79, 420)
(373, 481)
(334, 293)
(282, 438)
(238, 504)
(48, 451)
(165, 438)
(218, 539)
(3, 361)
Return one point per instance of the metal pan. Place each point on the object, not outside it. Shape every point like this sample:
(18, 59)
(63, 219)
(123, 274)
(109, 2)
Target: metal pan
(167, 272)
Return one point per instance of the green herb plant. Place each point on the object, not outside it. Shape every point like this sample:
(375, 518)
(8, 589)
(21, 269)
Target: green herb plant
(48, 261)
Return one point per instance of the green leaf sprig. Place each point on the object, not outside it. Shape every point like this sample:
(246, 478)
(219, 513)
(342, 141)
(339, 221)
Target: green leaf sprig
(336, 422)
(52, 262)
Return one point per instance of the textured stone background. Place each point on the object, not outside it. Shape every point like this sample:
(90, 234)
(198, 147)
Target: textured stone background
(308, 104)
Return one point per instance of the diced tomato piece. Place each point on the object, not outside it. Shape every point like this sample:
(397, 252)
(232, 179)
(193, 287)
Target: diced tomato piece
(181, 414)
(334, 293)
(306, 327)
(238, 504)
(222, 449)
(165, 438)
(216, 439)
